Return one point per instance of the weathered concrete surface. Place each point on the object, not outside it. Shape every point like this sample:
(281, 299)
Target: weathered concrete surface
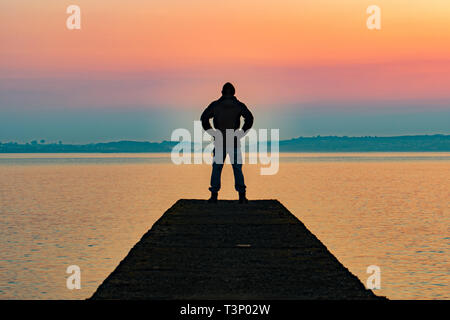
(228, 250)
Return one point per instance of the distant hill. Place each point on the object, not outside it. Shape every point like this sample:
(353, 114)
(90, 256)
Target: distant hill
(364, 144)
(108, 147)
(422, 143)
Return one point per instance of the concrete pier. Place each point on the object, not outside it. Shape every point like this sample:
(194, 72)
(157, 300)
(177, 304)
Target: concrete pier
(228, 250)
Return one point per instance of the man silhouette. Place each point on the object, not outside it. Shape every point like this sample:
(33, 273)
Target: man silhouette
(226, 114)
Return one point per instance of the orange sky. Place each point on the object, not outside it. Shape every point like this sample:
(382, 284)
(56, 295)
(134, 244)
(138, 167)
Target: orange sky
(165, 34)
(175, 54)
(175, 51)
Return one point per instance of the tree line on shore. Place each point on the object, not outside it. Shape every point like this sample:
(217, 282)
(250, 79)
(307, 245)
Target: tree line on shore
(418, 143)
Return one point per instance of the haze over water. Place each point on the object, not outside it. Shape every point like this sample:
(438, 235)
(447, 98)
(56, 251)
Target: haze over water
(390, 210)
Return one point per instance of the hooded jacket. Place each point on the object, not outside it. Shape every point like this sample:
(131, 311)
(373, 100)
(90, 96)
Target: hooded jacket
(226, 114)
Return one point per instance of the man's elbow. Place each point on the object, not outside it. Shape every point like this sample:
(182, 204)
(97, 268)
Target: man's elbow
(250, 120)
(206, 124)
(247, 125)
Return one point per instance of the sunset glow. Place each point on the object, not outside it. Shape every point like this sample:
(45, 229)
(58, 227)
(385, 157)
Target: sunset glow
(176, 54)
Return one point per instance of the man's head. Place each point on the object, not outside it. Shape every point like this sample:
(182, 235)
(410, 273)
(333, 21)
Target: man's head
(228, 89)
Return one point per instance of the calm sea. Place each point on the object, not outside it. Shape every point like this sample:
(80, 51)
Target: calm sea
(385, 209)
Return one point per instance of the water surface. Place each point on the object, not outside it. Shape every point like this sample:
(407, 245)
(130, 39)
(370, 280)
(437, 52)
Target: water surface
(385, 209)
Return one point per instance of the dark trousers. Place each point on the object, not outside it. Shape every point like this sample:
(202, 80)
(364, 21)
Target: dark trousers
(217, 167)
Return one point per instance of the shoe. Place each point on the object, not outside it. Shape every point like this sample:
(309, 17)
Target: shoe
(242, 198)
(213, 198)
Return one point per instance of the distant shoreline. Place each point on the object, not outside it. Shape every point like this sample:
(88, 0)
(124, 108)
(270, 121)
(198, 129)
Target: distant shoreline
(168, 152)
(326, 144)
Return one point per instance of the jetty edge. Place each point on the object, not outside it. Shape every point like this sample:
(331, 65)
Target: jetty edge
(230, 251)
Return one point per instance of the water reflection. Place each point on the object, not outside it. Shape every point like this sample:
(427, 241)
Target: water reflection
(87, 211)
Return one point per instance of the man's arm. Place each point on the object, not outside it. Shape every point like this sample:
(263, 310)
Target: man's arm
(206, 115)
(248, 118)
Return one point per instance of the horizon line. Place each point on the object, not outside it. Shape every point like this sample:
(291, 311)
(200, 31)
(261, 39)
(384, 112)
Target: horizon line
(45, 142)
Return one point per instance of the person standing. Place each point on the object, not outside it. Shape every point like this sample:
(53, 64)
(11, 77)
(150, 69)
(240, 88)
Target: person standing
(226, 113)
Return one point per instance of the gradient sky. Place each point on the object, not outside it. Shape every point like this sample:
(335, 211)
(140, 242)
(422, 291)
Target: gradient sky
(139, 69)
